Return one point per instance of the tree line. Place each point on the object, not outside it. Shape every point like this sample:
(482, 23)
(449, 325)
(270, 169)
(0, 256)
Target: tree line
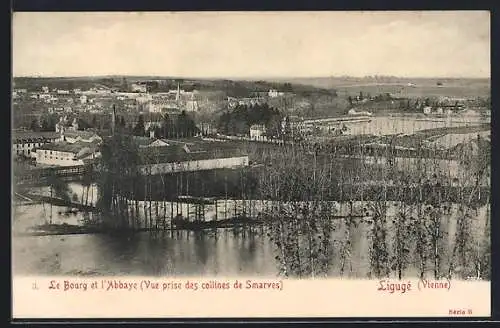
(239, 120)
(170, 126)
(310, 240)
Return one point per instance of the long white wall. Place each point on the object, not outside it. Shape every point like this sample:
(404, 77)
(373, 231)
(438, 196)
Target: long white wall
(207, 164)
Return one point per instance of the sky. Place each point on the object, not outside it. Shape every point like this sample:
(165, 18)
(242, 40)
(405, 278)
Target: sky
(252, 44)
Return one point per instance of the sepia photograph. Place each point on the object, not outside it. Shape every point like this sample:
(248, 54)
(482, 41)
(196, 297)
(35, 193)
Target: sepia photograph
(353, 146)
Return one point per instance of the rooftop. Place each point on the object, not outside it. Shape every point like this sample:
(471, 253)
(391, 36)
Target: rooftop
(143, 141)
(82, 134)
(31, 135)
(179, 151)
(74, 148)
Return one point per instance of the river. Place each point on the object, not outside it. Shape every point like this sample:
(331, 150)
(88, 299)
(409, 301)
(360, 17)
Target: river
(221, 252)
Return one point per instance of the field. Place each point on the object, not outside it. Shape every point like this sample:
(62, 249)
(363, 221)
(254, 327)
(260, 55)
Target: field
(405, 91)
(424, 87)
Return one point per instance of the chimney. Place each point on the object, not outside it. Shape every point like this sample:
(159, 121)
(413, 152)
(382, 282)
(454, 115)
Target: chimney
(113, 120)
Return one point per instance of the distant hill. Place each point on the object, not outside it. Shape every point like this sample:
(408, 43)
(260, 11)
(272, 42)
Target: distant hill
(337, 86)
(234, 88)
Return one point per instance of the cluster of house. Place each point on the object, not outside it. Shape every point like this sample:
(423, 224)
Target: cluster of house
(62, 148)
(298, 126)
(172, 100)
(98, 98)
(443, 109)
(67, 146)
(272, 93)
(233, 102)
(258, 98)
(16, 93)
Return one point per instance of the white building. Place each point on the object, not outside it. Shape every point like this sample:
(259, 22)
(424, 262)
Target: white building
(26, 143)
(233, 102)
(80, 136)
(258, 132)
(353, 112)
(83, 99)
(20, 91)
(145, 142)
(45, 96)
(191, 106)
(427, 110)
(158, 105)
(185, 157)
(274, 93)
(67, 154)
(136, 87)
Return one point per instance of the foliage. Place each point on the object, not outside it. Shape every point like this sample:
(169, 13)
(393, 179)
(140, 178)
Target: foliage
(178, 126)
(304, 182)
(139, 127)
(238, 120)
(118, 176)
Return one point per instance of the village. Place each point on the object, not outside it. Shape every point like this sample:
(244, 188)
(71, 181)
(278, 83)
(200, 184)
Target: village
(81, 118)
(181, 154)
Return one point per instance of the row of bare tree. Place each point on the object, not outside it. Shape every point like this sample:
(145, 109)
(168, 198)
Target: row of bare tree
(425, 234)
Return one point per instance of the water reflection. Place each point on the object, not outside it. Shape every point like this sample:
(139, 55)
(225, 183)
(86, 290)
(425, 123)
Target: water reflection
(227, 252)
(145, 253)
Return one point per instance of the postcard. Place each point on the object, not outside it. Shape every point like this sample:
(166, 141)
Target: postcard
(251, 164)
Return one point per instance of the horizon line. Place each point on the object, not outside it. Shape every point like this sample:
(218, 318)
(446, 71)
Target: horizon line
(252, 77)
